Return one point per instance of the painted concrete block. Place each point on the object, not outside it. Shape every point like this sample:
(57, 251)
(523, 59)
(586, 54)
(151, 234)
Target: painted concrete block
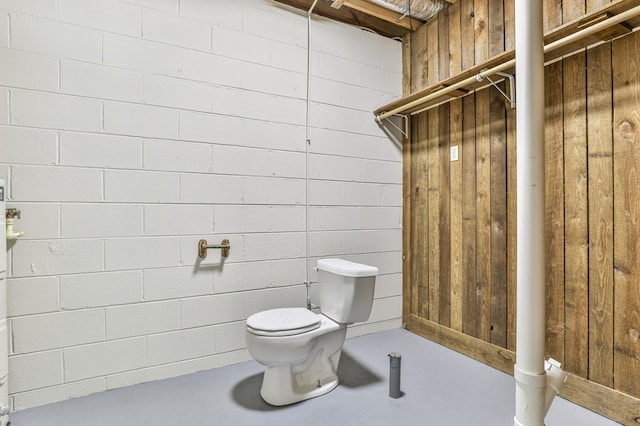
(175, 283)
(266, 79)
(336, 68)
(178, 219)
(54, 38)
(264, 134)
(140, 120)
(339, 118)
(102, 289)
(41, 183)
(177, 93)
(358, 47)
(383, 80)
(134, 186)
(264, 190)
(109, 16)
(362, 241)
(98, 150)
(140, 55)
(207, 67)
(288, 56)
(4, 106)
(33, 258)
(257, 162)
(53, 111)
(38, 221)
(230, 337)
(28, 296)
(97, 81)
(361, 98)
(382, 217)
(141, 253)
(333, 167)
(382, 171)
(46, 8)
(160, 154)
(57, 393)
(28, 70)
(28, 146)
(164, 5)
(256, 218)
(226, 14)
(362, 194)
(142, 319)
(210, 310)
(239, 45)
(196, 188)
(392, 195)
(104, 358)
(181, 345)
(175, 30)
(276, 26)
(143, 375)
(35, 371)
(211, 128)
(57, 330)
(363, 146)
(116, 220)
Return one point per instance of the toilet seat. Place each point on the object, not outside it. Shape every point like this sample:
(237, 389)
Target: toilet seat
(282, 322)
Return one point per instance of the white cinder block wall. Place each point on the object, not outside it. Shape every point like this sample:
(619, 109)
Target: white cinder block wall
(131, 129)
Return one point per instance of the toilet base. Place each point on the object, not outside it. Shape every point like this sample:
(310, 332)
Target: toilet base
(273, 393)
(289, 384)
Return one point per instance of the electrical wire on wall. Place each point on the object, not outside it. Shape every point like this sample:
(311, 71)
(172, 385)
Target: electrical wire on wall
(307, 143)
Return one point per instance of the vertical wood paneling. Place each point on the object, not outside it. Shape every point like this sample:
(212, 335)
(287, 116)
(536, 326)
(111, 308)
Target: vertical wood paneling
(462, 214)
(626, 120)
(419, 221)
(576, 224)
(593, 5)
(572, 9)
(496, 27)
(467, 33)
(554, 212)
(600, 184)
(433, 220)
(445, 217)
(408, 295)
(481, 30)
(498, 206)
(456, 173)
(454, 39)
(483, 200)
(470, 322)
(552, 14)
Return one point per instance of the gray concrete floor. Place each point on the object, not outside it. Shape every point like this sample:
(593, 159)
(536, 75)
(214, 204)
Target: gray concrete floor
(439, 387)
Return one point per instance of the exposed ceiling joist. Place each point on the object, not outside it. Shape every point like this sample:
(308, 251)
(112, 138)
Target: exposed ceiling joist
(369, 17)
(379, 12)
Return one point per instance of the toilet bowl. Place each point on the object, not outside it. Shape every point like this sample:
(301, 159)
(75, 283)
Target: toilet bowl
(301, 349)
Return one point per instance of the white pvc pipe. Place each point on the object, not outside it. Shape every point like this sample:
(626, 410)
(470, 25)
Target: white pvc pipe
(530, 338)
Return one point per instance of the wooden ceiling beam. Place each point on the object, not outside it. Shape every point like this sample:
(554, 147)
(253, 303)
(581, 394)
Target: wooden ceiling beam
(379, 12)
(351, 16)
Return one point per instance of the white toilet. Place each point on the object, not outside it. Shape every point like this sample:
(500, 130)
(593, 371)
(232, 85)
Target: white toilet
(301, 349)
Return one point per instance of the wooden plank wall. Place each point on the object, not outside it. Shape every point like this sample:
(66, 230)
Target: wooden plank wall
(460, 235)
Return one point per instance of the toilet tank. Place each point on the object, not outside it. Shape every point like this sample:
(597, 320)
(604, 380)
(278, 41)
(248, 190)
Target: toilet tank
(346, 289)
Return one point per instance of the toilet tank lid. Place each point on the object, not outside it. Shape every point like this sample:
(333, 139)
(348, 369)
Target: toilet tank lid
(347, 268)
